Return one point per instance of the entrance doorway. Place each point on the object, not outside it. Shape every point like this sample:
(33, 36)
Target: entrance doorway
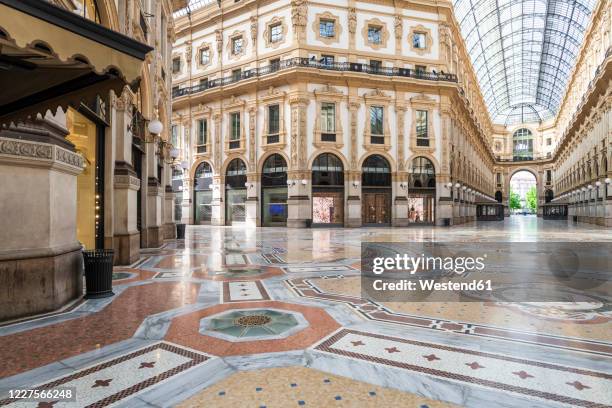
(422, 192)
(274, 191)
(202, 187)
(523, 195)
(88, 139)
(235, 192)
(376, 191)
(327, 191)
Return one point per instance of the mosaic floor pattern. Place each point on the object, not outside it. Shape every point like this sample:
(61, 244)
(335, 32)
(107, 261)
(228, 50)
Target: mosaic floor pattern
(273, 317)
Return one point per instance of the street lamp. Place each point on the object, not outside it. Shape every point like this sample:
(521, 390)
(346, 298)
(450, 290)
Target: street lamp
(155, 127)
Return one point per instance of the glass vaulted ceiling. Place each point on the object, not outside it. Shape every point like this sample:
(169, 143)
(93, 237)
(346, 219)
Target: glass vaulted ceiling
(192, 5)
(523, 52)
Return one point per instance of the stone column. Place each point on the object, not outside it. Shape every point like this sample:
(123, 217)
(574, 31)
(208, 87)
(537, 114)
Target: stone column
(218, 189)
(298, 202)
(444, 203)
(187, 213)
(253, 213)
(353, 175)
(40, 257)
(126, 241)
(154, 197)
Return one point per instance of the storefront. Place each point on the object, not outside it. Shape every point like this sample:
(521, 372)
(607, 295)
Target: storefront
(554, 211)
(274, 191)
(376, 192)
(202, 187)
(327, 191)
(235, 192)
(58, 71)
(489, 212)
(421, 192)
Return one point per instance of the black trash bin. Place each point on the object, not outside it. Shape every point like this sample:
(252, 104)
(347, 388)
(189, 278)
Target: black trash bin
(180, 231)
(98, 273)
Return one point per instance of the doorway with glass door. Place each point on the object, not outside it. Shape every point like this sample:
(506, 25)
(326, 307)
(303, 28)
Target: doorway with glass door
(376, 192)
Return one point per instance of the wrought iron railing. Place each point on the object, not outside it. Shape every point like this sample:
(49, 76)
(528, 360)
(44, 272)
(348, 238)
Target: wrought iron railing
(311, 63)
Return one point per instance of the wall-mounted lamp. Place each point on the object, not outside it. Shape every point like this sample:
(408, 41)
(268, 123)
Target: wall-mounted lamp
(590, 186)
(598, 184)
(291, 182)
(608, 180)
(248, 185)
(448, 185)
(155, 127)
(403, 185)
(355, 183)
(174, 153)
(464, 188)
(304, 182)
(457, 185)
(184, 164)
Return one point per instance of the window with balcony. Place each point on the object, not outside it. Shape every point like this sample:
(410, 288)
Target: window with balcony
(275, 64)
(376, 125)
(522, 145)
(375, 65)
(328, 122)
(236, 74)
(327, 60)
(327, 28)
(234, 142)
(420, 69)
(276, 33)
(273, 124)
(422, 135)
(202, 137)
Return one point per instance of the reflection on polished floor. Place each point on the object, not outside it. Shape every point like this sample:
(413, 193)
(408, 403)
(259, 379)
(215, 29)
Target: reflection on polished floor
(236, 317)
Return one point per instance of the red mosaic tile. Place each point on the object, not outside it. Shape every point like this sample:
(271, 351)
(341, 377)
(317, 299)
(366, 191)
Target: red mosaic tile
(184, 330)
(118, 321)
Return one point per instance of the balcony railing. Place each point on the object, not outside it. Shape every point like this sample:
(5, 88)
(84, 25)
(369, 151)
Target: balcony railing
(523, 158)
(310, 63)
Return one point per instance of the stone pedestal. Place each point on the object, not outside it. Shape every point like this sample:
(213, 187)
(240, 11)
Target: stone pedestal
(400, 212)
(155, 237)
(299, 212)
(169, 224)
(126, 240)
(354, 212)
(252, 218)
(444, 209)
(40, 257)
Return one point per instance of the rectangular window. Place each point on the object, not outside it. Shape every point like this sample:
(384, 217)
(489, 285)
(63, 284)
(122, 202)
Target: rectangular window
(327, 60)
(419, 40)
(548, 176)
(421, 128)
(276, 33)
(374, 34)
(204, 56)
(235, 130)
(420, 69)
(376, 121)
(328, 122)
(375, 65)
(202, 136)
(237, 45)
(176, 65)
(174, 136)
(498, 176)
(236, 74)
(327, 28)
(203, 83)
(273, 119)
(548, 141)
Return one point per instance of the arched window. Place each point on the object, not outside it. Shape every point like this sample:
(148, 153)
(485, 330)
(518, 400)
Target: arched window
(376, 172)
(203, 177)
(422, 173)
(235, 175)
(522, 145)
(274, 171)
(327, 170)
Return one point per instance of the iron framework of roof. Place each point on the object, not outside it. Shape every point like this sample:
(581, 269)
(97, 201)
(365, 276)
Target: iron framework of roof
(523, 52)
(192, 5)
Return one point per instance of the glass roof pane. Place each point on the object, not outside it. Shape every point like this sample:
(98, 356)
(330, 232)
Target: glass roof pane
(523, 52)
(192, 6)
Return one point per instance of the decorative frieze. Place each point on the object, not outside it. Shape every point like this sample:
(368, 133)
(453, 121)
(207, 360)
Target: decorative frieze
(29, 151)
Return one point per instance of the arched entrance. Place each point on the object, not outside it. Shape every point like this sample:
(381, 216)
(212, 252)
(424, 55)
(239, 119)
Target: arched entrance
(274, 191)
(523, 194)
(327, 190)
(422, 191)
(202, 187)
(376, 191)
(235, 192)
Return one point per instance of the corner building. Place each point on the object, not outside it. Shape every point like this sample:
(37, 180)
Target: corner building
(339, 113)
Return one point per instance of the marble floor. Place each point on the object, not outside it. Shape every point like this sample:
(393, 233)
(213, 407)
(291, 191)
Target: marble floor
(274, 317)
